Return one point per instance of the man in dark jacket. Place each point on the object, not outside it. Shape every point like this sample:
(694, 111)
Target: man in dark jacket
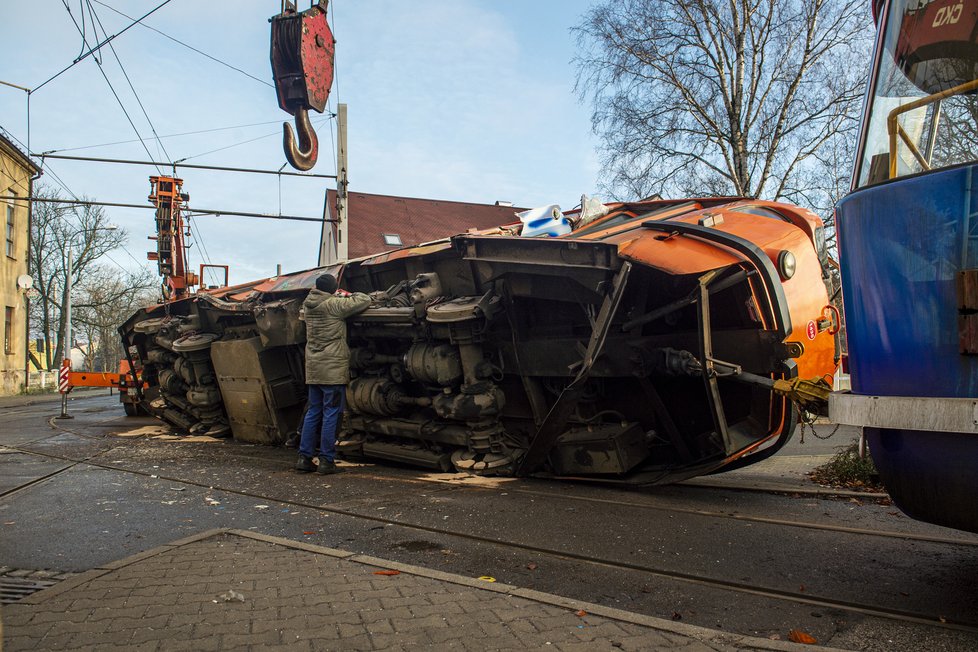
(327, 370)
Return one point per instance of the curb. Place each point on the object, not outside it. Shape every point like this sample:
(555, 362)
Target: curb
(703, 635)
(25, 400)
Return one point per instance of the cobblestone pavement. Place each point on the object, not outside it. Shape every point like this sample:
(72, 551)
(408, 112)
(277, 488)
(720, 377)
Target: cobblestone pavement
(229, 589)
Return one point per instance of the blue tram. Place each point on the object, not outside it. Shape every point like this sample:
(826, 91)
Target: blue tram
(908, 243)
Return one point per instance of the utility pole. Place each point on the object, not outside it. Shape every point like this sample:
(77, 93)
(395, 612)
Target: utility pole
(334, 242)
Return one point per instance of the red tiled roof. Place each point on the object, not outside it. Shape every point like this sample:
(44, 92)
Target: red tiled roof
(414, 220)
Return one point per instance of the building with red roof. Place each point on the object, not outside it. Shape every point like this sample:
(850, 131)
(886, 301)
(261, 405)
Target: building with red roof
(380, 223)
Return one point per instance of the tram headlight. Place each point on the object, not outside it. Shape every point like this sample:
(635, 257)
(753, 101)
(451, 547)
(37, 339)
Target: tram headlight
(786, 264)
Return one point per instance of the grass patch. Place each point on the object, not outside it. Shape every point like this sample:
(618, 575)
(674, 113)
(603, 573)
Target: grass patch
(846, 470)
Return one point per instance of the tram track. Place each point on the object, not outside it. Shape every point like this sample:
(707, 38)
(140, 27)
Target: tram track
(72, 463)
(824, 527)
(891, 534)
(704, 580)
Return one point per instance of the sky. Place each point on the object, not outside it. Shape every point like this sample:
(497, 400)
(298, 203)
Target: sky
(465, 100)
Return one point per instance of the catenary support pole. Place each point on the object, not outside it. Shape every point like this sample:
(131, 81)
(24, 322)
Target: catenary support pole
(67, 334)
(334, 241)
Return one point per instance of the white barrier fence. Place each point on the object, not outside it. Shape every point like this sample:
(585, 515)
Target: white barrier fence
(44, 380)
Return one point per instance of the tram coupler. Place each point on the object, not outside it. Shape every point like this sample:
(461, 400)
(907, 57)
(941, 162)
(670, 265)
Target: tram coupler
(811, 395)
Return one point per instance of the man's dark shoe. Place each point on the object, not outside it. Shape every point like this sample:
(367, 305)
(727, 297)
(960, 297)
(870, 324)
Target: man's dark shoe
(328, 468)
(305, 464)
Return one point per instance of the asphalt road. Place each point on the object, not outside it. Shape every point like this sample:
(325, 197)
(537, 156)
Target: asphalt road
(853, 574)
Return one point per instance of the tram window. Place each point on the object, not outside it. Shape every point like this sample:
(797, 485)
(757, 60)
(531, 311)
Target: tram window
(624, 217)
(923, 109)
(763, 212)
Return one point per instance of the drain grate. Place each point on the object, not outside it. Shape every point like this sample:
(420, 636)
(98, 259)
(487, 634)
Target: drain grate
(13, 589)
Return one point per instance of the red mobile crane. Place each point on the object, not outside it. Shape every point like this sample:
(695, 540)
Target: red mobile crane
(171, 251)
(171, 257)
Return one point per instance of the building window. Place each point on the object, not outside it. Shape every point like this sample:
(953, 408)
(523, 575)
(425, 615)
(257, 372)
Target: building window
(10, 226)
(392, 240)
(8, 331)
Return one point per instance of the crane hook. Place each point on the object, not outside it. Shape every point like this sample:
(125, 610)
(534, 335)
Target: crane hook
(304, 156)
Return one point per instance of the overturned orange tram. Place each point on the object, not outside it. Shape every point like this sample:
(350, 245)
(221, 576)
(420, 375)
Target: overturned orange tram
(664, 340)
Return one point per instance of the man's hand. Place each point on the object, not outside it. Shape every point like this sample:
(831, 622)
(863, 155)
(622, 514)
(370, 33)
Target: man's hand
(340, 292)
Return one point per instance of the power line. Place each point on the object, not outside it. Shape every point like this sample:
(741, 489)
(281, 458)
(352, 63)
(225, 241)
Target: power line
(178, 164)
(68, 190)
(81, 10)
(243, 142)
(129, 81)
(49, 170)
(200, 211)
(111, 88)
(65, 187)
(128, 117)
(97, 47)
(185, 133)
(204, 255)
(200, 52)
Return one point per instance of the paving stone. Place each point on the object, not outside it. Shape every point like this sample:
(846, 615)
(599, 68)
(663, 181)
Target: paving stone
(202, 643)
(294, 646)
(18, 614)
(423, 610)
(58, 642)
(379, 626)
(229, 641)
(413, 640)
(129, 623)
(19, 643)
(169, 598)
(149, 646)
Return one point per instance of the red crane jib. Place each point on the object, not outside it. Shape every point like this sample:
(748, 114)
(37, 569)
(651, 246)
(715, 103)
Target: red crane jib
(171, 251)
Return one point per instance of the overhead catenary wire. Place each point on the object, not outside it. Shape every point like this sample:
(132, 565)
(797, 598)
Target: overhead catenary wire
(128, 117)
(43, 167)
(65, 187)
(75, 200)
(178, 164)
(97, 47)
(245, 142)
(204, 254)
(111, 88)
(201, 211)
(115, 54)
(81, 10)
(100, 37)
(189, 47)
(184, 133)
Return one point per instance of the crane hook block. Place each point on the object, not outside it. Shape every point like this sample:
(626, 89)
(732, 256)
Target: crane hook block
(302, 66)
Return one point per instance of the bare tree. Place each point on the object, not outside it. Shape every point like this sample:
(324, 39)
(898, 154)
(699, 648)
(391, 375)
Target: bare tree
(55, 226)
(732, 97)
(42, 255)
(104, 299)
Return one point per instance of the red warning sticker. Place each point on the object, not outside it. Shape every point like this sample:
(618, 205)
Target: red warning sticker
(812, 330)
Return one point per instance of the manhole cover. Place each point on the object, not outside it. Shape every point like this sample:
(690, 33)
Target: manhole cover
(13, 589)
